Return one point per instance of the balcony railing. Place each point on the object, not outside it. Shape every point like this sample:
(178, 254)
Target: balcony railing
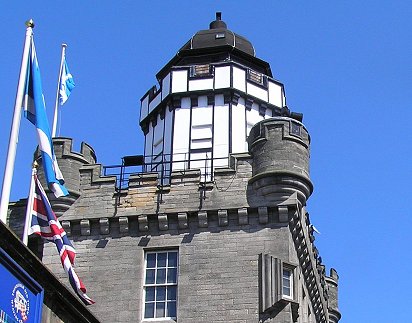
(163, 165)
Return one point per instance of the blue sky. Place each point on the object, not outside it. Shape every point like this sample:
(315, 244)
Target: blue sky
(346, 66)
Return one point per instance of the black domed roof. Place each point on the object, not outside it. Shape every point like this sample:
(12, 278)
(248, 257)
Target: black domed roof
(214, 45)
(218, 35)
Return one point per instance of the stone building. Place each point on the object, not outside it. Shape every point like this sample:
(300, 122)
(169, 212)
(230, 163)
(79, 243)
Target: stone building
(210, 223)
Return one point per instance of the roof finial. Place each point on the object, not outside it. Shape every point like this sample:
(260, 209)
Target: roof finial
(218, 23)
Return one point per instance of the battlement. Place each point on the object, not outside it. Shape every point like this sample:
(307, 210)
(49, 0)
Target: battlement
(70, 163)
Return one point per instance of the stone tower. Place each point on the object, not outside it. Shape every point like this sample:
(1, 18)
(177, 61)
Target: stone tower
(215, 226)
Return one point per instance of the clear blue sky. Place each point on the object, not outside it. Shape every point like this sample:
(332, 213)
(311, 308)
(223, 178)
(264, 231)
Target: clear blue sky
(346, 66)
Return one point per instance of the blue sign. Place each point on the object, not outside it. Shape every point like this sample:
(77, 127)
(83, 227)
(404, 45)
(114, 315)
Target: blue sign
(21, 297)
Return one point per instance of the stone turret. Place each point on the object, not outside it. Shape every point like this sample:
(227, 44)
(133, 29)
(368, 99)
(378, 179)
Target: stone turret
(332, 282)
(280, 150)
(70, 163)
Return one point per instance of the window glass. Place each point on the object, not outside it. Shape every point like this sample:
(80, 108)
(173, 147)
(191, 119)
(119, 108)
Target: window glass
(160, 293)
(172, 259)
(151, 260)
(160, 309)
(171, 275)
(161, 276)
(149, 310)
(161, 259)
(171, 309)
(150, 276)
(161, 284)
(150, 294)
(287, 283)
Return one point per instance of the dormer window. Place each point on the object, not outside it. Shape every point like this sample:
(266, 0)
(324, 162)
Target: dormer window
(220, 35)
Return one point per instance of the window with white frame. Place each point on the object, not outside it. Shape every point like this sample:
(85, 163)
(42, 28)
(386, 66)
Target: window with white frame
(287, 283)
(160, 284)
(277, 282)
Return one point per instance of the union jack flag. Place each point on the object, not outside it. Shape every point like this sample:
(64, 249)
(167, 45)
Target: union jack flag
(45, 224)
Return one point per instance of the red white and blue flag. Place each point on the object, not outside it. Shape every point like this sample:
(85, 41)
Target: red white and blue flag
(45, 224)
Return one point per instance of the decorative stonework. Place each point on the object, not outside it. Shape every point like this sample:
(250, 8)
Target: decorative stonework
(67, 227)
(85, 227)
(243, 216)
(182, 220)
(312, 271)
(202, 216)
(222, 216)
(123, 224)
(104, 226)
(143, 223)
(263, 215)
(163, 224)
(283, 213)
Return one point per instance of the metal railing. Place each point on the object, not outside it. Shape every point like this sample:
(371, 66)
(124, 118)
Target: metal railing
(163, 165)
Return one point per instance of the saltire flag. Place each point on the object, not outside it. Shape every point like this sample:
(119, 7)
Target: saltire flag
(45, 224)
(35, 112)
(66, 83)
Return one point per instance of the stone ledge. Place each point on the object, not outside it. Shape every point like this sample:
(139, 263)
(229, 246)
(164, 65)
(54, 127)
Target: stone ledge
(164, 222)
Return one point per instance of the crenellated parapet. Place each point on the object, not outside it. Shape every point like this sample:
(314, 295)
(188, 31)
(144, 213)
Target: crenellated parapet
(70, 163)
(280, 150)
(143, 195)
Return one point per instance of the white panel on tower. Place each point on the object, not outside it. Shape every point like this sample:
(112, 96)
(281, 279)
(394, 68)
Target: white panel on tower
(222, 77)
(257, 91)
(201, 84)
(155, 101)
(239, 79)
(202, 116)
(181, 134)
(167, 142)
(158, 137)
(238, 127)
(148, 148)
(144, 110)
(201, 132)
(168, 132)
(252, 117)
(166, 86)
(179, 81)
(275, 94)
(221, 135)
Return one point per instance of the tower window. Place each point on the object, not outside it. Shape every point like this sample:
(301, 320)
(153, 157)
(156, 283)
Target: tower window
(200, 70)
(220, 35)
(256, 77)
(160, 284)
(287, 283)
(277, 282)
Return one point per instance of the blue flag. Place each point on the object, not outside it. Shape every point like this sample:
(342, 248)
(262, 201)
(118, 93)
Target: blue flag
(35, 112)
(66, 83)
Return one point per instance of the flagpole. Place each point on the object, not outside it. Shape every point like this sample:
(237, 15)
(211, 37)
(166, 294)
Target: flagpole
(29, 208)
(56, 106)
(15, 127)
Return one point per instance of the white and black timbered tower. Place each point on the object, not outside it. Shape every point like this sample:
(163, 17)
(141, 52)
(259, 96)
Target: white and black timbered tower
(210, 95)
